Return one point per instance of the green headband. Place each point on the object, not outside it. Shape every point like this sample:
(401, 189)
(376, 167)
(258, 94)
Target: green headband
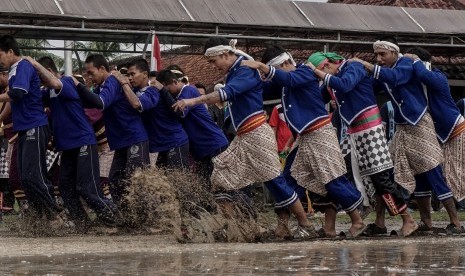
(317, 58)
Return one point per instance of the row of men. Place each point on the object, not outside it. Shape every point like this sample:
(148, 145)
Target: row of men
(137, 119)
(424, 113)
(316, 164)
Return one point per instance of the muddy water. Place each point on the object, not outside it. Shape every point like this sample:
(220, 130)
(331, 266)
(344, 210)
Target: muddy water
(149, 255)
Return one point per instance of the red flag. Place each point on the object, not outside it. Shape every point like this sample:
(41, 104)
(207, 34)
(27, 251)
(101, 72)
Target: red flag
(155, 61)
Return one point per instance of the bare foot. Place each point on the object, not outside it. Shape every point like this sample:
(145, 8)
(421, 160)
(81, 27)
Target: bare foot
(329, 233)
(356, 229)
(308, 224)
(282, 231)
(408, 228)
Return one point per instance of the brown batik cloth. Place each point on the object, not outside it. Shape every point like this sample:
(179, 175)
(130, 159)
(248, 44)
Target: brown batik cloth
(318, 160)
(250, 158)
(105, 158)
(415, 150)
(454, 164)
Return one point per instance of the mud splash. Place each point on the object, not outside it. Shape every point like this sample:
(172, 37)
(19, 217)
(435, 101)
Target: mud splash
(179, 203)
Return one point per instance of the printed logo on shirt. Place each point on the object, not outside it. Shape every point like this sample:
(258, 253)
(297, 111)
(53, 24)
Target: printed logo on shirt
(134, 151)
(83, 151)
(30, 134)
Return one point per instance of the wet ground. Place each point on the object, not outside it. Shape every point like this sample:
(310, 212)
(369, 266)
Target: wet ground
(162, 255)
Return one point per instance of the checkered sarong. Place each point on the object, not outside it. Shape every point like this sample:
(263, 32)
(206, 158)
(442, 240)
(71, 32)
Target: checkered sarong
(371, 150)
(4, 162)
(345, 146)
(50, 158)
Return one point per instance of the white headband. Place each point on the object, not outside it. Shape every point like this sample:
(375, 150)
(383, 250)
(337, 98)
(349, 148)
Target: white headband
(386, 45)
(182, 77)
(221, 49)
(280, 59)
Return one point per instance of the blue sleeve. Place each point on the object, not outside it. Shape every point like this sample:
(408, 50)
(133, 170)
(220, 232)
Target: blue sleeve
(432, 79)
(68, 89)
(325, 94)
(354, 73)
(110, 92)
(399, 75)
(24, 75)
(244, 80)
(301, 77)
(188, 93)
(149, 99)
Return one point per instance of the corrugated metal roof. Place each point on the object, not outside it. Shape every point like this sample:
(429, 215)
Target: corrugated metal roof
(358, 18)
(29, 6)
(246, 17)
(247, 12)
(152, 10)
(257, 13)
(437, 21)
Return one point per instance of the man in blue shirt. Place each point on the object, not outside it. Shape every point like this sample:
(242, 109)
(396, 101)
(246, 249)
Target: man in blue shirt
(448, 120)
(205, 138)
(252, 155)
(125, 131)
(75, 138)
(166, 134)
(30, 121)
(415, 150)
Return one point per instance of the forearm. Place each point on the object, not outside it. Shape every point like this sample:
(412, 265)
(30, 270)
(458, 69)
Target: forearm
(211, 98)
(5, 97)
(169, 101)
(370, 67)
(47, 77)
(264, 68)
(6, 112)
(131, 97)
(90, 99)
(319, 73)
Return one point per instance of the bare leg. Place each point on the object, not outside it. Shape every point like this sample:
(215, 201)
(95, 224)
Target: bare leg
(408, 224)
(380, 212)
(357, 222)
(282, 230)
(330, 221)
(424, 206)
(298, 210)
(449, 205)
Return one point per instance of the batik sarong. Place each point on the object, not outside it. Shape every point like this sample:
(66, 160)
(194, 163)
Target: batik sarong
(250, 158)
(415, 150)
(105, 158)
(318, 160)
(454, 161)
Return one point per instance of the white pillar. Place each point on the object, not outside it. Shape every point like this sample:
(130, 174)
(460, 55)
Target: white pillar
(68, 58)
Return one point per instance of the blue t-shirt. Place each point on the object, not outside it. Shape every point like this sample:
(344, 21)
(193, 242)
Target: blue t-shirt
(123, 123)
(28, 112)
(70, 126)
(164, 129)
(205, 137)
